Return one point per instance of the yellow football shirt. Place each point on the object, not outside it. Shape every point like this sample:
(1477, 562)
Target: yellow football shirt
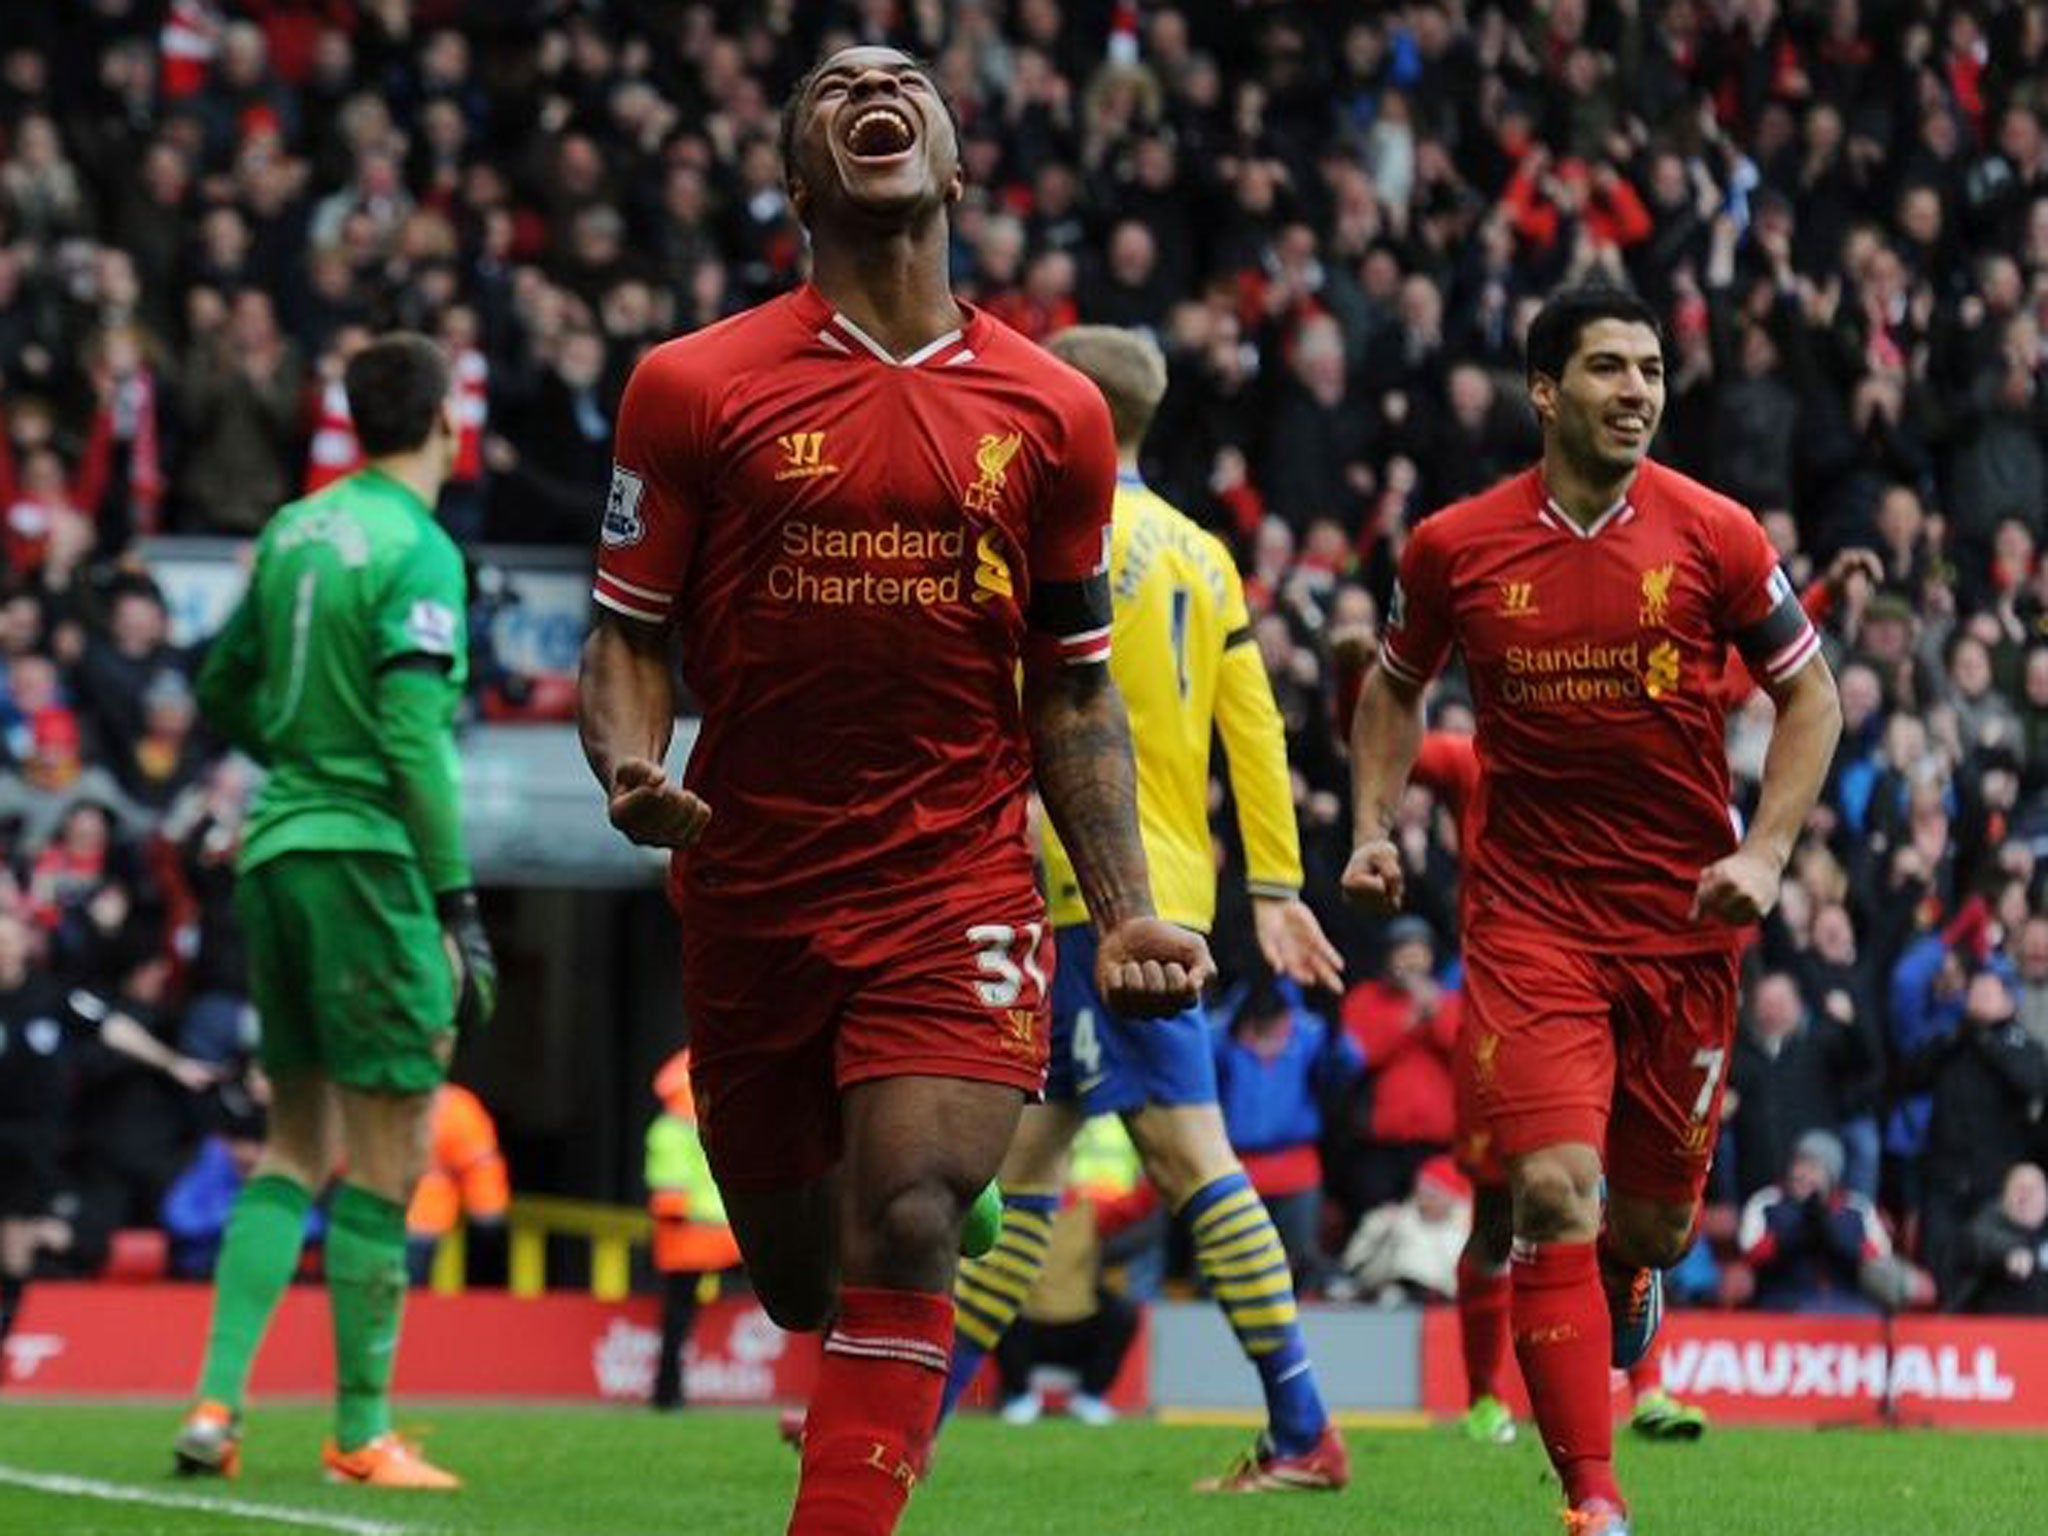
(1181, 654)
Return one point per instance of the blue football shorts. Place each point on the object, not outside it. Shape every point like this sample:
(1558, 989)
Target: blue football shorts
(1110, 1065)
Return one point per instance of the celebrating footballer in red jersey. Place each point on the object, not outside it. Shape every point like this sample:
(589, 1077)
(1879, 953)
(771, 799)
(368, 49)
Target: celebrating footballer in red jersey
(1593, 598)
(859, 508)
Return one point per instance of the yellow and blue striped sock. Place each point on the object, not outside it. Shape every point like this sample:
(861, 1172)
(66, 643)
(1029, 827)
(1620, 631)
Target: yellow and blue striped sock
(1245, 1269)
(990, 1290)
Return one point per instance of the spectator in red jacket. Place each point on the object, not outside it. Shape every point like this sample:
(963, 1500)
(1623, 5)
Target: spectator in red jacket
(1406, 1024)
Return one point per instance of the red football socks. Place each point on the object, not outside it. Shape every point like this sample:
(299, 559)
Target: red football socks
(1562, 1343)
(872, 1415)
(1647, 1374)
(1483, 1327)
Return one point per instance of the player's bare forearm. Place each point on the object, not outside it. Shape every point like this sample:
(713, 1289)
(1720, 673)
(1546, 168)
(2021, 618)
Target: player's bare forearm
(1386, 734)
(625, 695)
(1081, 754)
(1802, 747)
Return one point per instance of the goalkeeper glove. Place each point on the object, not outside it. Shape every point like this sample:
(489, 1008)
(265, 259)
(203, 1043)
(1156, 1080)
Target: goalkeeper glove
(462, 923)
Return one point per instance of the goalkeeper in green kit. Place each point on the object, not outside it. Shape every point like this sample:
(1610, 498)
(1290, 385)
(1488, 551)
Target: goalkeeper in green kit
(340, 672)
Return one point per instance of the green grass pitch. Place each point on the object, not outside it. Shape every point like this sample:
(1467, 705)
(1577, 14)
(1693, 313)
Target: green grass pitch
(618, 1472)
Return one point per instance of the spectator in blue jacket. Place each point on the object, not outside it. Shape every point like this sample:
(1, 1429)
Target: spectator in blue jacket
(1810, 1241)
(1928, 985)
(195, 1208)
(1986, 1080)
(1277, 1064)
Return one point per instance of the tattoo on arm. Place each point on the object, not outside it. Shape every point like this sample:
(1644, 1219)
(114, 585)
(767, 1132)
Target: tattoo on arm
(1081, 750)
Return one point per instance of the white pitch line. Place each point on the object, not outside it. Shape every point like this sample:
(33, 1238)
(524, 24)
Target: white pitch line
(123, 1493)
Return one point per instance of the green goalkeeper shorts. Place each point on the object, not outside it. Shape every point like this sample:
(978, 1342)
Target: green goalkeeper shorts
(347, 969)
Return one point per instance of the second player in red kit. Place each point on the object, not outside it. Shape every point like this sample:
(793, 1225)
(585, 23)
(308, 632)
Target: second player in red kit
(1593, 598)
(862, 510)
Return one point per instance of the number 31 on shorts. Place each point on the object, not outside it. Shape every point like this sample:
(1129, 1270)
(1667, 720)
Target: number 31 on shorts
(1005, 965)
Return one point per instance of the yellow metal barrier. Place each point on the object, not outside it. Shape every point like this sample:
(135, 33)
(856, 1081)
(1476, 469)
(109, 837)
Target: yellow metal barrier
(611, 1230)
(450, 1274)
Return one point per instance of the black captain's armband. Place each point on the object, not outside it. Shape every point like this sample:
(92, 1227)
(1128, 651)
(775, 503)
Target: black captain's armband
(1783, 640)
(1076, 615)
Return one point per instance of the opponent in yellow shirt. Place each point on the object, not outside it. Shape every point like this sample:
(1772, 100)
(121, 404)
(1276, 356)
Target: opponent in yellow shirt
(1181, 656)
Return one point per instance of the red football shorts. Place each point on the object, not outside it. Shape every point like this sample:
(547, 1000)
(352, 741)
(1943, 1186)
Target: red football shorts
(781, 1023)
(1626, 1052)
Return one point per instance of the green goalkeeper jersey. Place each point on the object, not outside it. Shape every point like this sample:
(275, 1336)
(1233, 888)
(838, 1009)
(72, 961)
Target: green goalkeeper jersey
(340, 671)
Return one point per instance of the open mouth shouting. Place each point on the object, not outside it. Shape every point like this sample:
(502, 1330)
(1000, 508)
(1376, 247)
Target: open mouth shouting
(880, 135)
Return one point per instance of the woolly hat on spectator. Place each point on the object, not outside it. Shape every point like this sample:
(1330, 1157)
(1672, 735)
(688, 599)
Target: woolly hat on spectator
(1409, 930)
(1442, 1175)
(167, 690)
(1824, 1148)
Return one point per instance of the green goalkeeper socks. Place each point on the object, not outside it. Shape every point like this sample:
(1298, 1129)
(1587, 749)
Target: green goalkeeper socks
(366, 1287)
(257, 1257)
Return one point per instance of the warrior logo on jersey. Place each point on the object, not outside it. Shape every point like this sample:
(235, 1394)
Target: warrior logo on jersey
(1518, 600)
(1656, 596)
(804, 456)
(992, 457)
(623, 526)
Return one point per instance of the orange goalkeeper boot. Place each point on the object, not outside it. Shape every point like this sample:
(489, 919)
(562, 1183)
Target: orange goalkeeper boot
(386, 1462)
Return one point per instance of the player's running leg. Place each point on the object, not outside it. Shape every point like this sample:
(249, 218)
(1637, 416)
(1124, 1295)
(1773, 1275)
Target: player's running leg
(1560, 1321)
(1540, 1030)
(918, 1150)
(384, 1136)
(788, 1236)
(1673, 1034)
(1187, 1155)
(258, 1256)
(1483, 1305)
(1641, 1239)
(989, 1291)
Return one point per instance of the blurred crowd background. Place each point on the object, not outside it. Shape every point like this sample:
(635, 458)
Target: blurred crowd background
(1337, 219)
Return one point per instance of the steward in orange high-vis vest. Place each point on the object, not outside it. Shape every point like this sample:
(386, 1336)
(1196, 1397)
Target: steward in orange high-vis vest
(692, 1243)
(465, 1177)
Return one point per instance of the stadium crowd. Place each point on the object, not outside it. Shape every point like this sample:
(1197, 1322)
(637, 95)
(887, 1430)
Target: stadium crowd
(1337, 220)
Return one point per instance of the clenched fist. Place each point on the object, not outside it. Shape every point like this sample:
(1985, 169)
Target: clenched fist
(650, 810)
(1373, 878)
(1736, 890)
(1146, 968)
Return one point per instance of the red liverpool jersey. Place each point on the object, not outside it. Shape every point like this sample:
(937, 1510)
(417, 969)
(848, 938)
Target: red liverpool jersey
(1604, 787)
(854, 549)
